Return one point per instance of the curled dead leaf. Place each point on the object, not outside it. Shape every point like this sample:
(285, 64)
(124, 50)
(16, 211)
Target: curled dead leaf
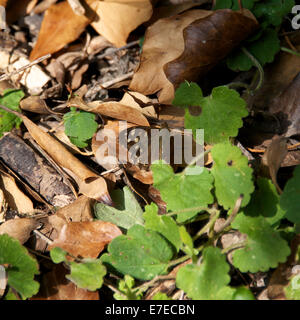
(19, 228)
(116, 19)
(186, 47)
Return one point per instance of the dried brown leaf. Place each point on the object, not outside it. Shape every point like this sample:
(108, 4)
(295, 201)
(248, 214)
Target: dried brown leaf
(55, 286)
(186, 47)
(19, 228)
(116, 19)
(60, 26)
(86, 239)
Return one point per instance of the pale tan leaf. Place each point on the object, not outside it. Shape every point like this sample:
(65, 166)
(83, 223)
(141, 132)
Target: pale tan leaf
(117, 18)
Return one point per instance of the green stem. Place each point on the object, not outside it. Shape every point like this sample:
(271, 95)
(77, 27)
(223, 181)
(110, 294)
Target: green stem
(145, 286)
(258, 66)
(290, 51)
(209, 225)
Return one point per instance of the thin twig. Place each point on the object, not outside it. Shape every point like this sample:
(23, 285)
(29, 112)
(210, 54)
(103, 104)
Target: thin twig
(145, 286)
(43, 237)
(9, 75)
(108, 53)
(123, 77)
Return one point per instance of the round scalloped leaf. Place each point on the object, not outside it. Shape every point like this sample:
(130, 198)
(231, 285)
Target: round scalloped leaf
(87, 274)
(263, 49)
(265, 202)
(232, 174)
(21, 266)
(207, 281)
(272, 12)
(188, 94)
(182, 190)
(264, 249)
(221, 115)
(58, 255)
(141, 253)
(289, 200)
(80, 126)
(162, 224)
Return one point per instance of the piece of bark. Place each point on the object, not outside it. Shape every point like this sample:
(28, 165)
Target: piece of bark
(35, 170)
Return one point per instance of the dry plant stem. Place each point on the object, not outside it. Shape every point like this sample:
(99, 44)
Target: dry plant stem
(234, 247)
(145, 286)
(128, 45)
(43, 237)
(77, 7)
(7, 76)
(123, 77)
(287, 39)
(114, 289)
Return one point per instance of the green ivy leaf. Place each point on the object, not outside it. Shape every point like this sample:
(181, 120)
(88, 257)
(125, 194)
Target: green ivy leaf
(11, 99)
(207, 281)
(21, 266)
(87, 274)
(80, 126)
(290, 198)
(162, 224)
(58, 255)
(127, 212)
(221, 114)
(263, 49)
(265, 202)
(141, 253)
(272, 12)
(183, 191)
(264, 248)
(232, 174)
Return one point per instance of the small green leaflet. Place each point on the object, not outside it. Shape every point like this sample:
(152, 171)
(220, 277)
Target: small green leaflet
(289, 200)
(58, 255)
(207, 281)
(141, 253)
(80, 126)
(264, 249)
(263, 49)
(183, 191)
(127, 212)
(232, 174)
(87, 274)
(125, 286)
(11, 99)
(162, 224)
(272, 12)
(22, 267)
(221, 112)
(265, 202)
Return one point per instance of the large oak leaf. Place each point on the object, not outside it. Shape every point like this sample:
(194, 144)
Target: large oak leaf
(186, 47)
